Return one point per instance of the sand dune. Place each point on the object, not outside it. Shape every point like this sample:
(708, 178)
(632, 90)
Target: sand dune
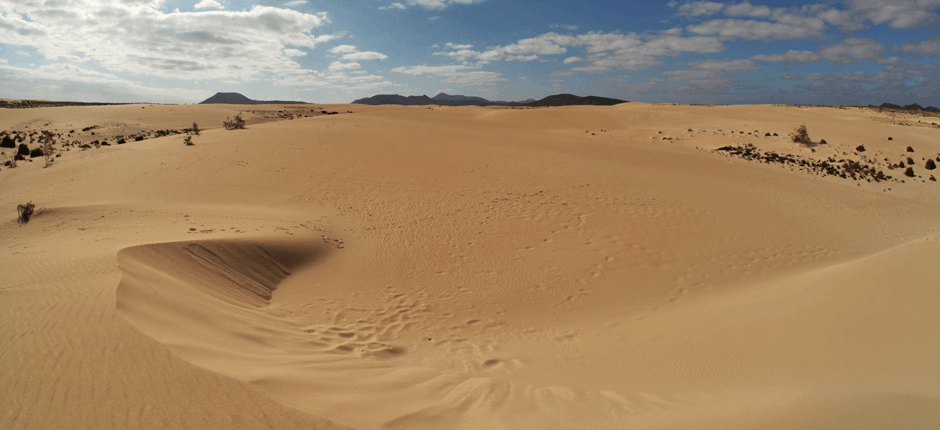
(467, 268)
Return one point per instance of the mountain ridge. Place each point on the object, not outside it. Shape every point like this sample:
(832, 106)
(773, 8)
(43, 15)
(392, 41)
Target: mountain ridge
(238, 99)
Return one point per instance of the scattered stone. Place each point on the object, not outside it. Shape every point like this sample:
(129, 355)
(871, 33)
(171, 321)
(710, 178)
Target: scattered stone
(910, 161)
(36, 152)
(909, 172)
(909, 149)
(23, 150)
(860, 148)
(766, 134)
(890, 138)
(930, 165)
(933, 179)
(823, 142)
(842, 168)
(7, 142)
(775, 134)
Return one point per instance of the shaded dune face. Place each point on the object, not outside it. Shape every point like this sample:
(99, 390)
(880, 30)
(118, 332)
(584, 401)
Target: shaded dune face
(781, 345)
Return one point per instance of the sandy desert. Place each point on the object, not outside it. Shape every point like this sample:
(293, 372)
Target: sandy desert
(396, 267)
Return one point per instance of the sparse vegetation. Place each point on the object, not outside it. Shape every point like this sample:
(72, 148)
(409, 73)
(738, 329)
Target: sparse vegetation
(25, 211)
(234, 124)
(801, 136)
(188, 141)
(196, 129)
(47, 144)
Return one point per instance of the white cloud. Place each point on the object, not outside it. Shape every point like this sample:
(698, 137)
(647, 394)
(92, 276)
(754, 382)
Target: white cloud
(338, 65)
(294, 52)
(207, 4)
(725, 65)
(141, 39)
(24, 53)
(761, 30)
(70, 82)
(852, 49)
(699, 8)
(365, 56)
(929, 47)
(454, 74)
(295, 3)
(398, 6)
(570, 60)
(458, 47)
(609, 51)
(441, 4)
(566, 27)
(790, 57)
(343, 48)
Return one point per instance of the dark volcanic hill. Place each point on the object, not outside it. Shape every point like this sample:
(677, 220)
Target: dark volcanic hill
(573, 100)
(914, 106)
(238, 99)
(458, 100)
(395, 99)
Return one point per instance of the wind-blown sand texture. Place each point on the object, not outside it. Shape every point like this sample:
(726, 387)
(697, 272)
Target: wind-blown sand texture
(471, 268)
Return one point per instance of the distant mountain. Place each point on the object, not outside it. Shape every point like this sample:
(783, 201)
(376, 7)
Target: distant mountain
(458, 100)
(572, 100)
(914, 106)
(395, 99)
(238, 99)
(445, 99)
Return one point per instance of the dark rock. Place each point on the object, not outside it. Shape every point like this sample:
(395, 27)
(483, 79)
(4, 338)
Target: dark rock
(933, 179)
(766, 134)
(909, 172)
(138, 138)
(930, 165)
(909, 149)
(860, 148)
(20, 157)
(910, 161)
(823, 142)
(7, 142)
(890, 138)
(36, 152)
(23, 150)
(121, 141)
(775, 134)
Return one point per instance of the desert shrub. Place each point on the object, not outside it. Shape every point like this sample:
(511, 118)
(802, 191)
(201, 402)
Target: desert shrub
(188, 141)
(47, 145)
(234, 124)
(802, 137)
(196, 129)
(25, 211)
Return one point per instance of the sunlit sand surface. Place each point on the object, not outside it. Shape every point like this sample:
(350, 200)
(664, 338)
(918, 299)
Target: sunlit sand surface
(396, 267)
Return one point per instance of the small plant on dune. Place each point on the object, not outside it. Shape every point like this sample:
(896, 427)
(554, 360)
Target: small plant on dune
(48, 147)
(234, 124)
(802, 137)
(188, 141)
(26, 211)
(12, 160)
(196, 129)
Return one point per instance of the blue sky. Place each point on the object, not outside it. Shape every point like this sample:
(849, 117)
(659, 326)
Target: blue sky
(855, 52)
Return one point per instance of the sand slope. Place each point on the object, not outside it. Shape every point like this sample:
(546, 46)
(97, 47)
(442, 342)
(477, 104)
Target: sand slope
(415, 267)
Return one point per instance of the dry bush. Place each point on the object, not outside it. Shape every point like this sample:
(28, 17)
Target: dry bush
(802, 137)
(234, 124)
(26, 211)
(196, 129)
(188, 141)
